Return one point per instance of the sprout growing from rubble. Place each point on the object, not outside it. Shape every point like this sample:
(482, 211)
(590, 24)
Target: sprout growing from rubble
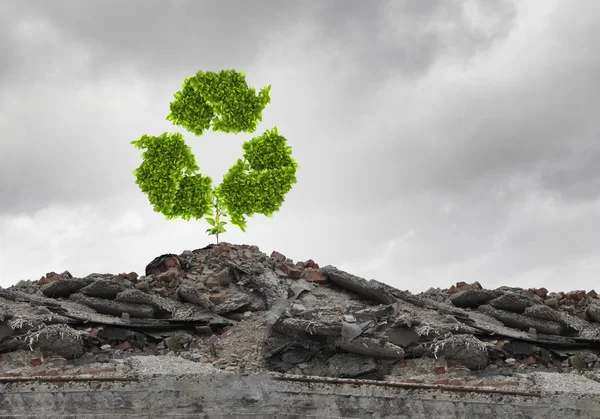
(256, 184)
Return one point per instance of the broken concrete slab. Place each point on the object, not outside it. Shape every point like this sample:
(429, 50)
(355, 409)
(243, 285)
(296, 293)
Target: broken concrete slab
(114, 308)
(64, 287)
(513, 302)
(103, 288)
(522, 322)
(371, 290)
(473, 298)
(195, 296)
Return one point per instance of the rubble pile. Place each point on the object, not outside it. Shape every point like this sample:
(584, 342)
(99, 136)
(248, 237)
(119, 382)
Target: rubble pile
(237, 309)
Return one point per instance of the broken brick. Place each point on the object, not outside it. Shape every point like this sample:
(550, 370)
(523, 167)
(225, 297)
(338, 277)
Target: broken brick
(314, 275)
(217, 298)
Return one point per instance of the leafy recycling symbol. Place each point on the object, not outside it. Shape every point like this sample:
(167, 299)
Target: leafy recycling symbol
(255, 184)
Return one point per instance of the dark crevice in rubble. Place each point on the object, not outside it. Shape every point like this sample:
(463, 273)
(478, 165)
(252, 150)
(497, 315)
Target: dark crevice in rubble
(237, 308)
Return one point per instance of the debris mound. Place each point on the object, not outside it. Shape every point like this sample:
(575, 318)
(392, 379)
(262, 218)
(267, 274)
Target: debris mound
(237, 309)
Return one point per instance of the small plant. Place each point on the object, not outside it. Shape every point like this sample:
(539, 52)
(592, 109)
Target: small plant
(213, 350)
(174, 341)
(255, 184)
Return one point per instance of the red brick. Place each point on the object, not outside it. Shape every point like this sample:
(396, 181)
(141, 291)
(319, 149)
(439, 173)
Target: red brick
(294, 273)
(528, 361)
(456, 382)
(442, 382)
(440, 370)
(9, 374)
(36, 362)
(403, 363)
(314, 275)
(124, 345)
(46, 373)
(497, 384)
(101, 371)
(310, 264)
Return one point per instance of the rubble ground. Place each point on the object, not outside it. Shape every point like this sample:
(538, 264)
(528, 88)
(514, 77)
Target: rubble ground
(234, 309)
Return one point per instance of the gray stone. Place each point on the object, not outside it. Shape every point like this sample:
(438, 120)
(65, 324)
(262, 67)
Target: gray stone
(224, 277)
(59, 340)
(465, 350)
(593, 312)
(350, 366)
(402, 336)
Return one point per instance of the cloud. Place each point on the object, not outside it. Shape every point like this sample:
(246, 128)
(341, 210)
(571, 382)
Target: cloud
(472, 124)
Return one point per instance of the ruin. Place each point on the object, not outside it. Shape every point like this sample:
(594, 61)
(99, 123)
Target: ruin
(228, 332)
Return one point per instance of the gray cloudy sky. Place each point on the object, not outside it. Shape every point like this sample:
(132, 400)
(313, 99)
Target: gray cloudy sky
(439, 140)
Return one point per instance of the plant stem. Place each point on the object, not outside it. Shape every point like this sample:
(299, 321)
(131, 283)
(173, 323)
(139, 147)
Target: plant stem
(217, 213)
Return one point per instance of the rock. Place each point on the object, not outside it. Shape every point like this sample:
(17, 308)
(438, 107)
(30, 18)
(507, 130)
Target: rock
(5, 331)
(473, 298)
(195, 296)
(166, 262)
(576, 295)
(350, 366)
(551, 302)
(593, 312)
(402, 336)
(103, 288)
(372, 290)
(224, 278)
(58, 339)
(465, 350)
(212, 282)
(217, 298)
(278, 256)
(513, 302)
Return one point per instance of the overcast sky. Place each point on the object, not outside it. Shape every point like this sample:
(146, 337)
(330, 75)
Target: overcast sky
(438, 140)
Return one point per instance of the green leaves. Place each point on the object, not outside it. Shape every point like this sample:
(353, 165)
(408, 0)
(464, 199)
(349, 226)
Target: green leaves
(223, 98)
(259, 183)
(167, 176)
(256, 184)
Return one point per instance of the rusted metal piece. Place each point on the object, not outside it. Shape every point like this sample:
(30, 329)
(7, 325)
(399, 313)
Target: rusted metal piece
(66, 379)
(408, 386)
